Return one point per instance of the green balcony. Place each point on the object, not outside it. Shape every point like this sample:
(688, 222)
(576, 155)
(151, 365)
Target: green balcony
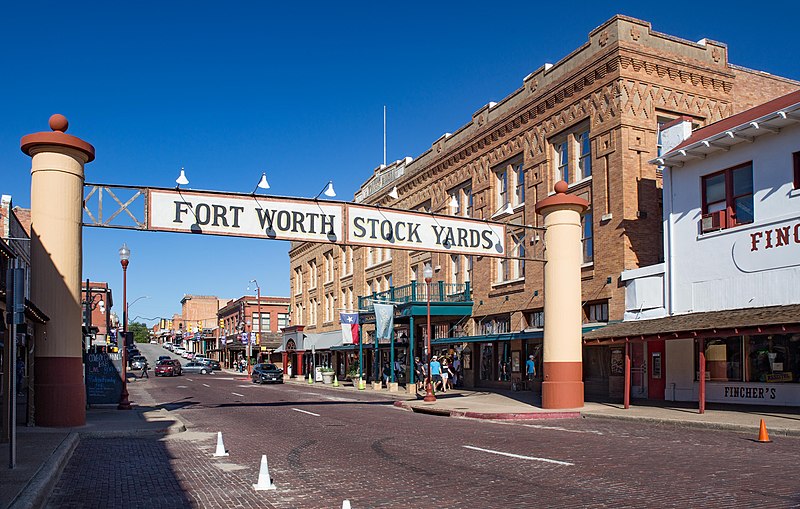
(440, 293)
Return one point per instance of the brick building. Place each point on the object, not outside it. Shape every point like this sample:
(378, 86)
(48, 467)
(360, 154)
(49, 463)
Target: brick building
(592, 119)
(195, 328)
(96, 301)
(240, 319)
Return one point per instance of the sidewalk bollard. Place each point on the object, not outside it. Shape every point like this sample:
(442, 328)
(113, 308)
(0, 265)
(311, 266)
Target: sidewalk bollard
(264, 480)
(346, 504)
(220, 446)
(335, 381)
(361, 385)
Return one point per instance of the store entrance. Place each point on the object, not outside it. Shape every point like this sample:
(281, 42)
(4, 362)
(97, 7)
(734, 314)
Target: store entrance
(639, 370)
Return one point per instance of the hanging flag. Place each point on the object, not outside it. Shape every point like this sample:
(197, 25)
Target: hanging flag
(384, 320)
(349, 328)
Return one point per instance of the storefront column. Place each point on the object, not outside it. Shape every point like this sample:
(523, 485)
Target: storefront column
(702, 396)
(412, 364)
(299, 363)
(360, 354)
(562, 364)
(57, 177)
(627, 391)
(284, 360)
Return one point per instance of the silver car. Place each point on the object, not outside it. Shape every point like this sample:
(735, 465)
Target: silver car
(196, 367)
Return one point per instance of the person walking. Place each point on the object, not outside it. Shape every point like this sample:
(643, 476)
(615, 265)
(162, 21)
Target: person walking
(419, 374)
(436, 372)
(530, 369)
(445, 373)
(145, 367)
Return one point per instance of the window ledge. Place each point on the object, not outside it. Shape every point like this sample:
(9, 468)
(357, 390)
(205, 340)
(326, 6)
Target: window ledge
(574, 185)
(587, 265)
(379, 264)
(508, 283)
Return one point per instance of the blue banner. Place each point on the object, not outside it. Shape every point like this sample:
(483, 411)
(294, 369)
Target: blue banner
(384, 320)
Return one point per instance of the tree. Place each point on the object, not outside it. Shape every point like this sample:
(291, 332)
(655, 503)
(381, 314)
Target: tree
(141, 334)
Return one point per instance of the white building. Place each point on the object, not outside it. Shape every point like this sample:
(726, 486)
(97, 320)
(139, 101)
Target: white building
(731, 277)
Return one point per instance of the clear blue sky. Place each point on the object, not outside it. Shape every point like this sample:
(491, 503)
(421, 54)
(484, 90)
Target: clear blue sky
(230, 89)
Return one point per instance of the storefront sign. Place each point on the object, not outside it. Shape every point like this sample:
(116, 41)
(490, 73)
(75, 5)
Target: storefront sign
(785, 376)
(768, 246)
(244, 216)
(372, 226)
(756, 393)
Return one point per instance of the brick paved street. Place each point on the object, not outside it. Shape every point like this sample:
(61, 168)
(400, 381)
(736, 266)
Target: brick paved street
(325, 446)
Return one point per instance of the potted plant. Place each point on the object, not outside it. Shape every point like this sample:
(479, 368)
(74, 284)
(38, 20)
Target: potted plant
(327, 375)
(352, 372)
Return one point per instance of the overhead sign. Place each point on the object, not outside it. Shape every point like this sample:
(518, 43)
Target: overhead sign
(306, 220)
(244, 216)
(372, 226)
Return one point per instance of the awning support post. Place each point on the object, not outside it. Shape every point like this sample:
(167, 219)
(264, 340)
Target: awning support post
(627, 390)
(702, 398)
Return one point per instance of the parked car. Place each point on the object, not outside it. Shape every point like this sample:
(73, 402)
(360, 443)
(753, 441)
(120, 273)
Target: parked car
(153, 342)
(190, 355)
(179, 350)
(185, 355)
(214, 365)
(169, 346)
(199, 358)
(168, 367)
(265, 373)
(138, 362)
(196, 367)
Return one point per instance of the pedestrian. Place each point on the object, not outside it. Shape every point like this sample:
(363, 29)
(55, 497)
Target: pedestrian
(436, 372)
(289, 368)
(445, 373)
(145, 367)
(419, 373)
(456, 371)
(387, 373)
(530, 368)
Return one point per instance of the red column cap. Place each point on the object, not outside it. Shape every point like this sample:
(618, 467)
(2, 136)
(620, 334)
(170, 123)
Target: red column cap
(561, 198)
(58, 136)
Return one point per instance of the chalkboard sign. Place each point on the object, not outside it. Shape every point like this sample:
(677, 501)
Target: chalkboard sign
(103, 379)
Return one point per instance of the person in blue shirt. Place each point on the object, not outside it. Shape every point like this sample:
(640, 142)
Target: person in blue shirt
(436, 372)
(530, 367)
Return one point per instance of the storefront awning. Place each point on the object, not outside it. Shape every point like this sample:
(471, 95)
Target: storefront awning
(732, 322)
(506, 336)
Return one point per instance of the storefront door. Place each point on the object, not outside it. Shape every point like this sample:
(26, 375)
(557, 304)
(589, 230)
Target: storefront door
(656, 375)
(638, 370)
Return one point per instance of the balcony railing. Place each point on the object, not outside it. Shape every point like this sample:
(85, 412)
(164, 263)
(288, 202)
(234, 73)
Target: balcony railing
(418, 292)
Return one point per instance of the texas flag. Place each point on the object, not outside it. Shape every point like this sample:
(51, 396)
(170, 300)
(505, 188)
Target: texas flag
(349, 328)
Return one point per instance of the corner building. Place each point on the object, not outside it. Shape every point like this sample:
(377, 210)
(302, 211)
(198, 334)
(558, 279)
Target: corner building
(592, 120)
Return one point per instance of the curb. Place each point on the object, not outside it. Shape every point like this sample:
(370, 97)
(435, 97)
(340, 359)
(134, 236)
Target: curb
(39, 488)
(493, 416)
(719, 426)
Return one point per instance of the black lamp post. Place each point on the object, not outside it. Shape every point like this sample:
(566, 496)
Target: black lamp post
(427, 273)
(124, 256)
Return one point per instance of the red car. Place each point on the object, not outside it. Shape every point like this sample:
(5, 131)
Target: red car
(168, 367)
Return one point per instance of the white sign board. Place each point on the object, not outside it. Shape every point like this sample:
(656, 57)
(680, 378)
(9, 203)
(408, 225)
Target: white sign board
(371, 226)
(768, 246)
(244, 216)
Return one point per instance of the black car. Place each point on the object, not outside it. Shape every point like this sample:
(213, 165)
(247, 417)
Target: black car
(266, 373)
(211, 363)
(164, 357)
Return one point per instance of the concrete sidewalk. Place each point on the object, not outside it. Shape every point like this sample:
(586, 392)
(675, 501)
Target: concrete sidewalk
(42, 453)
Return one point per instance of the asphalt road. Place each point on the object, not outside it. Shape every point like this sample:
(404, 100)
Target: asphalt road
(324, 446)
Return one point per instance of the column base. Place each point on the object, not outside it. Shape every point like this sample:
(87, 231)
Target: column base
(563, 385)
(60, 396)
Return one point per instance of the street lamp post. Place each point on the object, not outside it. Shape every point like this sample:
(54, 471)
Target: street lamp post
(260, 322)
(124, 256)
(427, 273)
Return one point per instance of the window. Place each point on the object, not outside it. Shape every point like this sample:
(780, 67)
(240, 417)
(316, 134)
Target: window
(586, 238)
(312, 312)
(730, 191)
(796, 168)
(503, 270)
(502, 188)
(470, 204)
(520, 188)
(283, 320)
(596, 311)
(265, 322)
(562, 161)
(455, 268)
(519, 252)
(329, 266)
(469, 269)
(298, 280)
(312, 274)
(536, 318)
(585, 159)
(495, 325)
(413, 273)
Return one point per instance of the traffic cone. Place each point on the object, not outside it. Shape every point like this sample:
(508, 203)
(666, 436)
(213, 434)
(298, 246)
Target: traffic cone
(335, 381)
(310, 380)
(763, 436)
(264, 480)
(220, 446)
(361, 385)
(346, 504)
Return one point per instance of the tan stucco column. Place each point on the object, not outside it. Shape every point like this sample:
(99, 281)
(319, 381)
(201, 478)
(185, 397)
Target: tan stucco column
(562, 364)
(56, 260)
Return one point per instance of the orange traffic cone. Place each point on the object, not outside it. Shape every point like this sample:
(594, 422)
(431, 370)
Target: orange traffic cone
(763, 436)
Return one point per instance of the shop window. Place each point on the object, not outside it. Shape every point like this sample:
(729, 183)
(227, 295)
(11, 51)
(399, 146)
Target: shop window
(487, 361)
(773, 358)
(596, 311)
(731, 192)
(723, 359)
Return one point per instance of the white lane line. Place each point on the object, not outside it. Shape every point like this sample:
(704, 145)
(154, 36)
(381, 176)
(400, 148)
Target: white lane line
(519, 456)
(225, 378)
(559, 428)
(207, 385)
(237, 394)
(190, 380)
(182, 387)
(329, 398)
(305, 412)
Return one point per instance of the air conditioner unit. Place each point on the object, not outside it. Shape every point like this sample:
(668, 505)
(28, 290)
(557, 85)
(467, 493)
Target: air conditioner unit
(713, 221)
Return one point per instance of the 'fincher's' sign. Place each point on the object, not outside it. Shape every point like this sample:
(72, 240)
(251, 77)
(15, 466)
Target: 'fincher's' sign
(319, 221)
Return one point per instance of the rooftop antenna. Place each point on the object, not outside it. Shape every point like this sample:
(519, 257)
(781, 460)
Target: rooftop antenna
(384, 135)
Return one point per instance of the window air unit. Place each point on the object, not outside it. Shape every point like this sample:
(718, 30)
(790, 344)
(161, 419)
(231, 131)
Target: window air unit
(713, 221)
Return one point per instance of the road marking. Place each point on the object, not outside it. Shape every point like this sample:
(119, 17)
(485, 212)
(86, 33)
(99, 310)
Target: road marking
(207, 385)
(510, 455)
(182, 387)
(305, 412)
(558, 428)
(190, 380)
(237, 394)
(329, 398)
(225, 378)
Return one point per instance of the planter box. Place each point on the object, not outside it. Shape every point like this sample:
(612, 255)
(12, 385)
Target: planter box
(327, 378)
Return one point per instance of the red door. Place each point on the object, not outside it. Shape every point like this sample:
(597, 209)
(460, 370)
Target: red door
(657, 372)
